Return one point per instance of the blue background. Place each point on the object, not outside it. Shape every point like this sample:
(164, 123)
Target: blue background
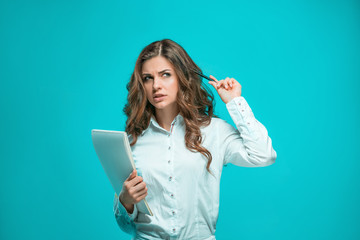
(63, 69)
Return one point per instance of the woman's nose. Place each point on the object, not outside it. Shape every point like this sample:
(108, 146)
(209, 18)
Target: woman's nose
(156, 83)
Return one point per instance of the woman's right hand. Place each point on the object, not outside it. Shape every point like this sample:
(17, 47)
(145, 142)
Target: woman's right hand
(133, 191)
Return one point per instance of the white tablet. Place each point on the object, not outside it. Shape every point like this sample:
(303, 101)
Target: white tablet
(114, 152)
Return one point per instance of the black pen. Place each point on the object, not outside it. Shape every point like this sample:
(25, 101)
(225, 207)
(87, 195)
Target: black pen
(202, 75)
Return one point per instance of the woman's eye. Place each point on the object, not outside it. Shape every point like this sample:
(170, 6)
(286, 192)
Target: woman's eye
(168, 74)
(146, 78)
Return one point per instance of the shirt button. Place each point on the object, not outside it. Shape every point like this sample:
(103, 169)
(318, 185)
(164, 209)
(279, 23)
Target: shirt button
(169, 147)
(170, 178)
(174, 229)
(172, 195)
(173, 212)
(248, 123)
(169, 161)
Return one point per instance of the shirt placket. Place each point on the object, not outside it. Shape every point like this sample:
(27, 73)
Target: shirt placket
(171, 180)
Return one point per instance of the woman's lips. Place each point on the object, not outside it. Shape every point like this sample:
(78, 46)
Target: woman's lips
(159, 98)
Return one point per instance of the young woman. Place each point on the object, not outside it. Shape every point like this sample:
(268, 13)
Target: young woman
(180, 147)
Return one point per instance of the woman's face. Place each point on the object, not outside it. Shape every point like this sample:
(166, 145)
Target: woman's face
(161, 83)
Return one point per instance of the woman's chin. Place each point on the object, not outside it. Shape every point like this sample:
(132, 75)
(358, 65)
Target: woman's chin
(160, 106)
(163, 106)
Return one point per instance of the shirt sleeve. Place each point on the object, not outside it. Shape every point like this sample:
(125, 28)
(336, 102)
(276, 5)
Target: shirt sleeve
(249, 145)
(124, 219)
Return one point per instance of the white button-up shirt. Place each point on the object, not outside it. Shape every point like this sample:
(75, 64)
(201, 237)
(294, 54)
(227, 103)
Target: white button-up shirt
(182, 195)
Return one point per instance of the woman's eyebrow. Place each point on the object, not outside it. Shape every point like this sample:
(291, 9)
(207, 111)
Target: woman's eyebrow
(164, 70)
(159, 72)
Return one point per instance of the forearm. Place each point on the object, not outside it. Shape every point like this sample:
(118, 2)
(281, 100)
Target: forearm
(124, 219)
(253, 145)
(129, 207)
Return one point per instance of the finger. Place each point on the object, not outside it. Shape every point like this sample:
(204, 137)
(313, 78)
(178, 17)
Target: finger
(230, 82)
(132, 175)
(235, 82)
(140, 186)
(141, 197)
(139, 193)
(136, 180)
(226, 83)
(220, 84)
(213, 84)
(212, 77)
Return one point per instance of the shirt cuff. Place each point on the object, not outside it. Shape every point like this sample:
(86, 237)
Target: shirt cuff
(242, 115)
(119, 209)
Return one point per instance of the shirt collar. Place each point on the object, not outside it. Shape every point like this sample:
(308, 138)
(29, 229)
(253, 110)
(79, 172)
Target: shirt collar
(177, 120)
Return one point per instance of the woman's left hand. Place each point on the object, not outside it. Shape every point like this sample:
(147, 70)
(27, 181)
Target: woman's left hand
(227, 88)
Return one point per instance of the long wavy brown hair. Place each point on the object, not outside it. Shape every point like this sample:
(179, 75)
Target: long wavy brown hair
(194, 99)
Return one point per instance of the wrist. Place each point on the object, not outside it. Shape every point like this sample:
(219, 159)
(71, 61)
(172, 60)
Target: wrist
(232, 99)
(129, 207)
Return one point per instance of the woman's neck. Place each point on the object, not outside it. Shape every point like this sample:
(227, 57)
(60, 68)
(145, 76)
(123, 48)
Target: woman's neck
(166, 117)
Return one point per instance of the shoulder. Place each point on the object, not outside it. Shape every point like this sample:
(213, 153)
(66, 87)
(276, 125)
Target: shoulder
(216, 121)
(221, 126)
(218, 124)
